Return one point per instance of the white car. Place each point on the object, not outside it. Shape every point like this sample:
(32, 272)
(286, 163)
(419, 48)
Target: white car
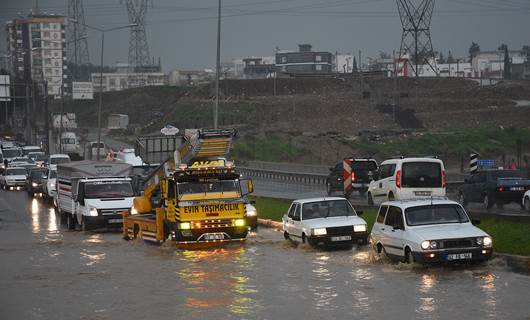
(49, 184)
(57, 158)
(324, 221)
(13, 178)
(407, 178)
(428, 231)
(526, 201)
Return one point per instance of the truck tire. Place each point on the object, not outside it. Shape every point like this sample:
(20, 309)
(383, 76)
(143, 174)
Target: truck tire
(85, 224)
(70, 221)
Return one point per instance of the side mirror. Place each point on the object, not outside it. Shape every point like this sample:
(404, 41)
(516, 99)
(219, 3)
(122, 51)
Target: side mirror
(360, 212)
(475, 221)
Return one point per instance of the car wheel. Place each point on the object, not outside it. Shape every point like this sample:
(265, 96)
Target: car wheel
(409, 258)
(70, 221)
(527, 204)
(487, 202)
(286, 235)
(363, 241)
(370, 199)
(328, 189)
(304, 240)
(462, 199)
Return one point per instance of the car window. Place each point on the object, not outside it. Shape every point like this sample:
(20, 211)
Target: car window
(382, 213)
(364, 165)
(435, 214)
(291, 210)
(326, 209)
(296, 214)
(505, 174)
(384, 171)
(421, 174)
(394, 217)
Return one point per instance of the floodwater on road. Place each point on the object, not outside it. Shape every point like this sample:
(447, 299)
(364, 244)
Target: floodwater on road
(50, 273)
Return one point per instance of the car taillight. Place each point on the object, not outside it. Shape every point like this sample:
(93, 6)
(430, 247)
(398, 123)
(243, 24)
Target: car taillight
(353, 176)
(398, 179)
(501, 189)
(444, 179)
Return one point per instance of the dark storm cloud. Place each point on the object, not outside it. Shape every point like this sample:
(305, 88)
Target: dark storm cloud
(183, 32)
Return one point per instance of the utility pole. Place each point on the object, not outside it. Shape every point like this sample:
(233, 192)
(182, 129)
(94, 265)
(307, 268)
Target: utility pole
(28, 126)
(217, 66)
(61, 127)
(46, 117)
(394, 91)
(360, 75)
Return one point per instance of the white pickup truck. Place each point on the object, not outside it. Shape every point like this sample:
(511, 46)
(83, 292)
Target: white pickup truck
(93, 194)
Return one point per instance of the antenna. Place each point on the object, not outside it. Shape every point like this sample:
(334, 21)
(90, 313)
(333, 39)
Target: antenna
(416, 36)
(77, 44)
(138, 48)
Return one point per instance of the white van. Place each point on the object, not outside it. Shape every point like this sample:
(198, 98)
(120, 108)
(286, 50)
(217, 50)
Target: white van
(93, 150)
(408, 178)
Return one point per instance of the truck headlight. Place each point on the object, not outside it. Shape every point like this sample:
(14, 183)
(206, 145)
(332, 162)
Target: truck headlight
(251, 213)
(359, 228)
(239, 222)
(34, 184)
(319, 232)
(133, 210)
(185, 226)
(93, 212)
(487, 242)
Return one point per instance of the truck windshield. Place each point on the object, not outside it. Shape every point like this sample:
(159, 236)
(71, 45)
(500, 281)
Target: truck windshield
(59, 160)
(325, 209)
(364, 165)
(16, 172)
(207, 187)
(11, 153)
(108, 190)
(435, 214)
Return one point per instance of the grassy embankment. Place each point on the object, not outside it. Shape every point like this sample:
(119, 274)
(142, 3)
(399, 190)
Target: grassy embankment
(508, 237)
(491, 142)
(271, 148)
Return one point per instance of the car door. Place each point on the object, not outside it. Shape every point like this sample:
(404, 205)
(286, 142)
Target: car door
(379, 225)
(377, 190)
(297, 221)
(288, 222)
(478, 186)
(393, 237)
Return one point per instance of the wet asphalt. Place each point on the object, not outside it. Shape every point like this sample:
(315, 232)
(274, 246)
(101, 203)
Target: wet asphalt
(50, 273)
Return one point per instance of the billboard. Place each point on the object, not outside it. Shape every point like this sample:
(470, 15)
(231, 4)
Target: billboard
(5, 93)
(82, 91)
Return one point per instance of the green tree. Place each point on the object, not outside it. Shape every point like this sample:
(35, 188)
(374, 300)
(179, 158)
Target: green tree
(450, 58)
(354, 66)
(507, 64)
(473, 50)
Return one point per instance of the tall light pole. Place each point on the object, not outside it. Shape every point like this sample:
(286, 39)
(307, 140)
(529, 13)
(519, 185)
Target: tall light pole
(217, 66)
(103, 31)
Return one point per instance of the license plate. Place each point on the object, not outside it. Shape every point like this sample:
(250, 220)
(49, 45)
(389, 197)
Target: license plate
(214, 236)
(459, 256)
(115, 220)
(341, 238)
(422, 193)
(516, 188)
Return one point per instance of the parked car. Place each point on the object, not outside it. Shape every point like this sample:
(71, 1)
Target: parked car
(428, 231)
(34, 181)
(526, 201)
(49, 184)
(351, 175)
(324, 222)
(408, 178)
(13, 178)
(493, 187)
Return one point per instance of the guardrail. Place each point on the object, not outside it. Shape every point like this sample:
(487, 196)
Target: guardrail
(303, 177)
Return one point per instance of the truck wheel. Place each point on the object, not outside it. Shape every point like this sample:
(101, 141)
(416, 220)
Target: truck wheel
(370, 199)
(85, 225)
(527, 204)
(487, 202)
(70, 221)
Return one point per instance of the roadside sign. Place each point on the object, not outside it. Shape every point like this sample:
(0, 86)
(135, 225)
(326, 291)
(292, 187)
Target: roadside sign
(82, 91)
(486, 163)
(5, 93)
(169, 130)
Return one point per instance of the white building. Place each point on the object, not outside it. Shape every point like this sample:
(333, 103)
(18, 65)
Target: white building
(490, 64)
(344, 63)
(121, 79)
(190, 77)
(36, 49)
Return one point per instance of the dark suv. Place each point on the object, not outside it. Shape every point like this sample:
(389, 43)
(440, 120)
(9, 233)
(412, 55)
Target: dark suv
(34, 181)
(351, 175)
(493, 187)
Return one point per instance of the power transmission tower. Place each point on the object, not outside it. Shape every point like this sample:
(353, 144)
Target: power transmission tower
(138, 48)
(77, 39)
(416, 36)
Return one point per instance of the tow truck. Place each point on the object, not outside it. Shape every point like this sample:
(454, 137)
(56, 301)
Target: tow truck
(194, 196)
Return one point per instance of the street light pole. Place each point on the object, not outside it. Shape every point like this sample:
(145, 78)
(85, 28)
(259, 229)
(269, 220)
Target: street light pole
(217, 66)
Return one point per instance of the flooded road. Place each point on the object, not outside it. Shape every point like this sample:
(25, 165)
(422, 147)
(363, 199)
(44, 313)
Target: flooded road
(51, 273)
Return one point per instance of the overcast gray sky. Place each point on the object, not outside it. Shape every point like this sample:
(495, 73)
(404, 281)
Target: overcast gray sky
(183, 32)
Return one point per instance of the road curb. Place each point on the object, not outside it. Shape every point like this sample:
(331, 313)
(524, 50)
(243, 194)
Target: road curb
(268, 223)
(515, 261)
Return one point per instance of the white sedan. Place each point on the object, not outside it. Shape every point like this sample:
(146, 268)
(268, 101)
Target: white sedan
(526, 201)
(324, 222)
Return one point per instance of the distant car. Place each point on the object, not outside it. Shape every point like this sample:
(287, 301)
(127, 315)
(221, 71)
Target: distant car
(428, 231)
(324, 222)
(352, 174)
(408, 178)
(13, 178)
(39, 157)
(493, 187)
(34, 181)
(11, 153)
(57, 158)
(526, 201)
(27, 149)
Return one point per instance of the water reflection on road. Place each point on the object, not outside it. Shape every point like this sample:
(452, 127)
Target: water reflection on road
(264, 278)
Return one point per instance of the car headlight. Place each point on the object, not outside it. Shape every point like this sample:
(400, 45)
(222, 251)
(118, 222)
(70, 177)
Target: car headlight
(359, 228)
(185, 226)
(319, 232)
(251, 213)
(52, 185)
(34, 184)
(93, 212)
(487, 242)
(239, 222)
(133, 210)
(429, 244)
